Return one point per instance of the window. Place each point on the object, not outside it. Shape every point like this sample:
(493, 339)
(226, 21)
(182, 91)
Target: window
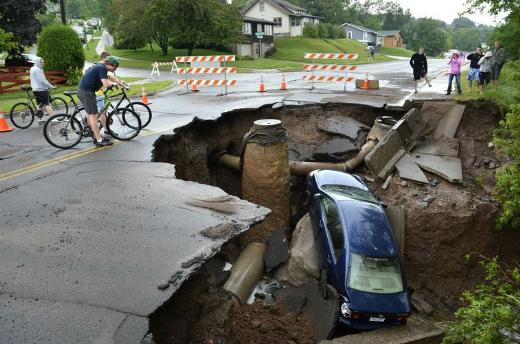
(261, 4)
(259, 28)
(349, 34)
(295, 21)
(334, 226)
(277, 21)
(375, 275)
(268, 30)
(246, 28)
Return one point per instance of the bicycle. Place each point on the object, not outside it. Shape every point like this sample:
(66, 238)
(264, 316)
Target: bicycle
(66, 131)
(22, 114)
(141, 109)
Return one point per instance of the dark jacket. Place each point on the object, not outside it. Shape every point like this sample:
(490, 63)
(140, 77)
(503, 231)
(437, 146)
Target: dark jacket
(474, 58)
(499, 56)
(418, 62)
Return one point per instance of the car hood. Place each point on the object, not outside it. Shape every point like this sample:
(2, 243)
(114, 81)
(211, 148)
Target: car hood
(396, 303)
(368, 229)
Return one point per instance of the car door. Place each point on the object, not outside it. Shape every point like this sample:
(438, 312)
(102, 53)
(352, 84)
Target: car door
(333, 239)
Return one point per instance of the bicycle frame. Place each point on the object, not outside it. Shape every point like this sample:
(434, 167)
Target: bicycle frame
(32, 99)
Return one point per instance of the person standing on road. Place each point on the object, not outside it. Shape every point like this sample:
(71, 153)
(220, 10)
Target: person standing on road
(454, 63)
(40, 87)
(95, 78)
(474, 68)
(499, 58)
(485, 64)
(420, 67)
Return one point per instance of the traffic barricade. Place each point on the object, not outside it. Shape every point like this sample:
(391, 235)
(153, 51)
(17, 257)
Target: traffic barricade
(155, 67)
(197, 67)
(313, 68)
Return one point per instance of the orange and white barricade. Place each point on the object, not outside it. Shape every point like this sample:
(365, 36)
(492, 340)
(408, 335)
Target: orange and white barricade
(197, 67)
(155, 67)
(313, 68)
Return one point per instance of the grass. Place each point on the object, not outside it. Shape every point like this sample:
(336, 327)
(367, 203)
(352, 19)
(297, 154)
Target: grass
(288, 57)
(9, 99)
(396, 52)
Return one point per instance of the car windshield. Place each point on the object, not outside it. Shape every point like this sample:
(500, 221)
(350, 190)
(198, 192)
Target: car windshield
(351, 192)
(375, 275)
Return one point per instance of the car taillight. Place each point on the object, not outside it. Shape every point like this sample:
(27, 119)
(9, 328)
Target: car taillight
(403, 317)
(356, 315)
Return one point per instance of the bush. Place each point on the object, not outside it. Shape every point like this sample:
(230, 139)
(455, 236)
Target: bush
(310, 30)
(491, 311)
(340, 32)
(270, 52)
(507, 190)
(331, 31)
(322, 30)
(61, 48)
(74, 76)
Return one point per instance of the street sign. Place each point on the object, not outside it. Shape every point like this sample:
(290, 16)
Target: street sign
(259, 35)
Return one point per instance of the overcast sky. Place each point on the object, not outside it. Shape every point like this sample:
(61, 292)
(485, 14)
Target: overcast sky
(445, 10)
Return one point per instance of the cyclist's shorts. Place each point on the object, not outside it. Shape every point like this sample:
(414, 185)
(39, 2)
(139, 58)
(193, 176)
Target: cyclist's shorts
(88, 98)
(42, 97)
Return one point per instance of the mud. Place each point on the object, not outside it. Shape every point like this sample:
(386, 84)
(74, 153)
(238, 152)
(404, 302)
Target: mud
(445, 222)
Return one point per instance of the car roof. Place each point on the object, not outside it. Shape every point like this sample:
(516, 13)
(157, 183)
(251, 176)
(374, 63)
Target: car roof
(329, 177)
(367, 229)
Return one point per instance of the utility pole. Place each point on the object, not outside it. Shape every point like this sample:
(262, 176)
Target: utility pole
(62, 10)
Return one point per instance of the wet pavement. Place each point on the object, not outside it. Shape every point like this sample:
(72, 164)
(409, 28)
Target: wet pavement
(89, 234)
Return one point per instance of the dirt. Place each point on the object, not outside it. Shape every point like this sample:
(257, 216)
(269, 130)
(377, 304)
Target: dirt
(458, 223)
(204, 313)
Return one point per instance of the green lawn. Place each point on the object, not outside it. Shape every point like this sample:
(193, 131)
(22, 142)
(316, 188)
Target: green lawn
(396, 52)
(288, 57)
(9, 99)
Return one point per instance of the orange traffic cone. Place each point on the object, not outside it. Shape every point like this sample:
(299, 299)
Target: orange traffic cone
(283, 87)
(3, 124)
(194, 88)
(144, 98)
(262, 86)
(365, 83)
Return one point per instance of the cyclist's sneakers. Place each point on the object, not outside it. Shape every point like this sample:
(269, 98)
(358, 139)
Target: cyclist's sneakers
(42, 120)
(104, 142)
(105, 135)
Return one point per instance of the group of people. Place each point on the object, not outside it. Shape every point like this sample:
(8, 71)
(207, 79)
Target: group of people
(95, 78)
(483, 67)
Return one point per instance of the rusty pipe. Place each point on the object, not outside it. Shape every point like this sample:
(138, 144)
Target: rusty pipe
(230, 161)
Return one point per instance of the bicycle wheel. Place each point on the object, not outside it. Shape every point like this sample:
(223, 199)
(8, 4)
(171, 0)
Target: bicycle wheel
(143, 111)
(123, 124)
(59, 105)
(63, 131)
(22, 115)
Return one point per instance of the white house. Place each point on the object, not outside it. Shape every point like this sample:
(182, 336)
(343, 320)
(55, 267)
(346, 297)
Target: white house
(289, 19)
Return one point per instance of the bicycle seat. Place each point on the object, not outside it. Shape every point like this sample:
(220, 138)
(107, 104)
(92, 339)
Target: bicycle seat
(70, 93)
(26, 88)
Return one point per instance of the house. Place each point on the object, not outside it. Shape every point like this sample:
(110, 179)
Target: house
(289, 19)
(257, 37)
(360, 33)
(391, 38)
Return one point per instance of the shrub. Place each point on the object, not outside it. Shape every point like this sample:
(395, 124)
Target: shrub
(270, 52)
(492, 311)
(310, 31)
(340, 32)
(322, 30)
(507, 190)
(331, 31)
(61, 48)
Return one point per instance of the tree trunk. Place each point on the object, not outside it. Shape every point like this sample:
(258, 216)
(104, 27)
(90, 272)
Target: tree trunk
(151, 46)
(62, 10)
(190, 49)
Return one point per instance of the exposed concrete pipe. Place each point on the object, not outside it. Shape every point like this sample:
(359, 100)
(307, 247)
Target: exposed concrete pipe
(301, 168)
(246, 271)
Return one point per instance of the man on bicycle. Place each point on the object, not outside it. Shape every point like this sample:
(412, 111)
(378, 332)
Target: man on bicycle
(40, 86)
(95, 78)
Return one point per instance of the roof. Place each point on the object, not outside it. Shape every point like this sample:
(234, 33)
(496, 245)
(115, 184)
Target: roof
(257, 20)
(282, 5)
(359, 27)
(388, 32)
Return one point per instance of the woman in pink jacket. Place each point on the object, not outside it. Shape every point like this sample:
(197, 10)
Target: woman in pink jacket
(455, 63)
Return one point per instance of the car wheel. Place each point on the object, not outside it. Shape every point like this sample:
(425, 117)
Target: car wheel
(323, 284)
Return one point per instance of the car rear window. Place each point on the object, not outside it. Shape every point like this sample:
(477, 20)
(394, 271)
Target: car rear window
(375, 275)
(348, 191)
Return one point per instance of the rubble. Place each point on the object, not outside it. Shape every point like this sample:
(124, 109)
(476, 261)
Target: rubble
(277, 251)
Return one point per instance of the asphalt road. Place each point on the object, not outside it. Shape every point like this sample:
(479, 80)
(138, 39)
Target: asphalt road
(89, 233)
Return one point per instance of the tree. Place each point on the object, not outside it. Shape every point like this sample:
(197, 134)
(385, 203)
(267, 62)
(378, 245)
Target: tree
(129, 33)
(159, 19)
(493, 6)
(466, 39)
(19, 18)
(462, 22)
(425, 32)
(6, 41)
(61, 48)
(62, 11)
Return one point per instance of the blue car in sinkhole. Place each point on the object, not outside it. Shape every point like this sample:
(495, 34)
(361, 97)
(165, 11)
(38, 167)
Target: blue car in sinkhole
(357, 252)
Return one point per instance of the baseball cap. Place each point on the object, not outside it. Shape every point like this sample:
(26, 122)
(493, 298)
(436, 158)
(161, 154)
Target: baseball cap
(111, 60)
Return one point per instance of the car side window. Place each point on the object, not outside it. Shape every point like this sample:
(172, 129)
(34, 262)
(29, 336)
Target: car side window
(333, 224)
